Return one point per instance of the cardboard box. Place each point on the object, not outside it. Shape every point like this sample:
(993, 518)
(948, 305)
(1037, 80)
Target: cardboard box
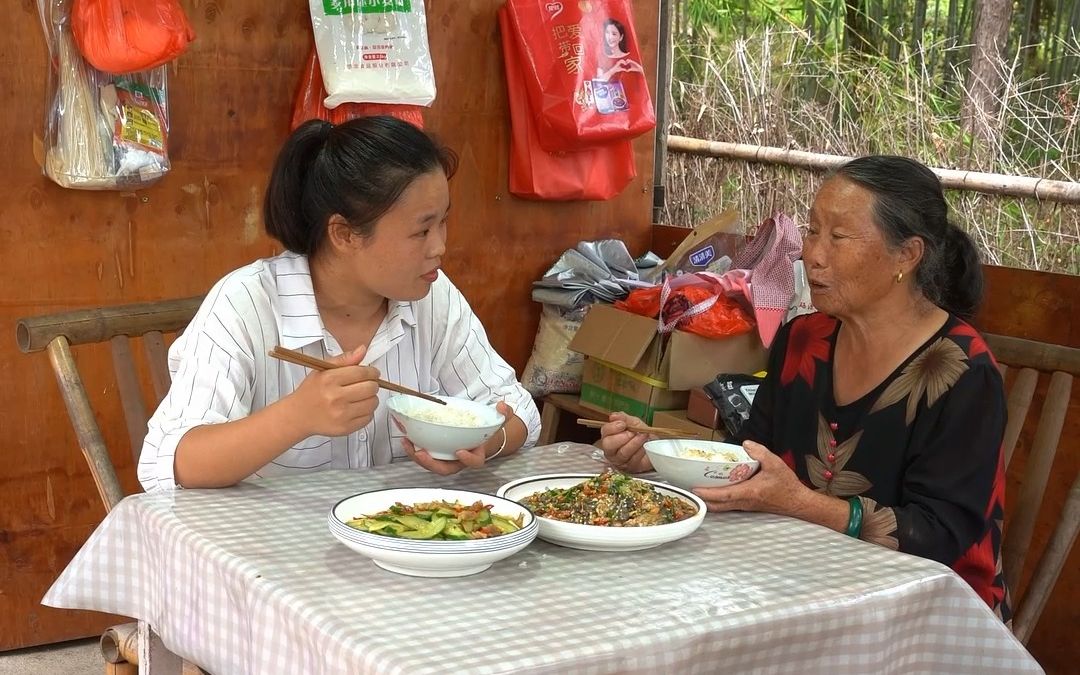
(606, 387)
(700, 409)
(632, 368)
(677, 419)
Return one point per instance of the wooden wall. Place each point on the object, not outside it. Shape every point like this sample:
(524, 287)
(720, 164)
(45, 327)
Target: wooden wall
(231, 98)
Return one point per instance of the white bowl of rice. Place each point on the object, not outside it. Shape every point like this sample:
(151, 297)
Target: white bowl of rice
(694, 464)
(442, 430)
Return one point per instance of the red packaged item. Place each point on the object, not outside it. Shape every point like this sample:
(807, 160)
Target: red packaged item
(127, 36)
(310, 95)
(692, 304)
(592, 173)
(582, 70)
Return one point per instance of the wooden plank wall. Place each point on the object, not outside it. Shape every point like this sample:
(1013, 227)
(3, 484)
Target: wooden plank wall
(231, 98)
(1037, 306)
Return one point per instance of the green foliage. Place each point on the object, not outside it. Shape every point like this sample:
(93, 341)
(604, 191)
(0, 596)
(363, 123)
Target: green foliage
(783, 87)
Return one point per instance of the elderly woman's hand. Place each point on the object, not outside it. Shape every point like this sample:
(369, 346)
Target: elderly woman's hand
(622, 448)
(773, 489)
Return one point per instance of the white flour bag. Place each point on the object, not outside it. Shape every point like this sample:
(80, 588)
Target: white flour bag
(373, 51)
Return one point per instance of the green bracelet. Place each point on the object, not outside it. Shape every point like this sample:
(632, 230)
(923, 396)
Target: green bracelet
(854, 523)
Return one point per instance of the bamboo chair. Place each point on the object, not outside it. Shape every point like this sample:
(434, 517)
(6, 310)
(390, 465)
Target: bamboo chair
(125, 646)
(1062, 364)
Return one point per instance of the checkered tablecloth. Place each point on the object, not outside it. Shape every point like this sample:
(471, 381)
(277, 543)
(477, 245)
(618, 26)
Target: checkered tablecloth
(249, 580)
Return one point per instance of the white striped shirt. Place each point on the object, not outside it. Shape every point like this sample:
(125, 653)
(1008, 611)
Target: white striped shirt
(221, 370)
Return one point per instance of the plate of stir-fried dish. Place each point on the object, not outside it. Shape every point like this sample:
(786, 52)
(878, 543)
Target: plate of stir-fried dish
(611, 511)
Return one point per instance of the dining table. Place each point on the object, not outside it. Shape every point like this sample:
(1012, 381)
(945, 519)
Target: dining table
(249, 580)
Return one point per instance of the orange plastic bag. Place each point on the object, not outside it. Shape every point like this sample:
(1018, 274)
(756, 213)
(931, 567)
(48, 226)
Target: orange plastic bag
(311, 94)
(126, 36)
(702, 309)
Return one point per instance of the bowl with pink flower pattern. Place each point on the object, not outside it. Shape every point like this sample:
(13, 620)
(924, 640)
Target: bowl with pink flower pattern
(695, 464)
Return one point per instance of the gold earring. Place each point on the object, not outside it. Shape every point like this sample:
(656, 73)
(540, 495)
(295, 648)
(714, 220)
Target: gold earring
(899, 276)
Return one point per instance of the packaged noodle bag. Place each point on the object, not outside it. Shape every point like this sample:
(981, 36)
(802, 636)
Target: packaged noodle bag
(102, 131)
(373, 51)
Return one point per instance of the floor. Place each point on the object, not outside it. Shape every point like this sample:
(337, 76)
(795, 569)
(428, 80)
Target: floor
(79, 657)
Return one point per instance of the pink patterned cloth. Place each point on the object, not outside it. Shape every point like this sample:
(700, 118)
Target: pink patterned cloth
(769, 257)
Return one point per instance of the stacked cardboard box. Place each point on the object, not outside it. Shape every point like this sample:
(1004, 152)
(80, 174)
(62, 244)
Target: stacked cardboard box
(630, 367)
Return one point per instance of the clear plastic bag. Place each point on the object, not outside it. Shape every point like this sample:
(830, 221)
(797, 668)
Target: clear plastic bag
(102, 132)
(373, 51)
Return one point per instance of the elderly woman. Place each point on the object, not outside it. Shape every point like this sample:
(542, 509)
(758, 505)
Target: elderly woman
(882, 415)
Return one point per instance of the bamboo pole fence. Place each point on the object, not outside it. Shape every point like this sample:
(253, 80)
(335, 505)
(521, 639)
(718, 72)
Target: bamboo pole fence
(1063, 192)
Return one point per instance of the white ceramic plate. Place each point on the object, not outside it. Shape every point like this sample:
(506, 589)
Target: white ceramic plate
(596, 537)
(429, 558)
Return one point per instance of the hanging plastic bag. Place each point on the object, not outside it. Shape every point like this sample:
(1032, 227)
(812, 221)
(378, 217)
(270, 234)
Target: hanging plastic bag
(126, 36)
(102, 131)
(594, 173)
(582, 70)
(309, 102)
(373, 51)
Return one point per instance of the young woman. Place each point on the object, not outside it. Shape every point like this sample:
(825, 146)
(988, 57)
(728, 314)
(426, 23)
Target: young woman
(361, 210)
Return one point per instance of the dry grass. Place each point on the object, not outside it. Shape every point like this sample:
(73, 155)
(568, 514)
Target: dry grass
(778, 89)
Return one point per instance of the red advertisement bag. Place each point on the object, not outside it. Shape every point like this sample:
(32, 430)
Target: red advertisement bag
(582, 71)
(594, 173)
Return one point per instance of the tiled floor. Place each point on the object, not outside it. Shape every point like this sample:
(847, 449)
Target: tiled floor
(80, 657)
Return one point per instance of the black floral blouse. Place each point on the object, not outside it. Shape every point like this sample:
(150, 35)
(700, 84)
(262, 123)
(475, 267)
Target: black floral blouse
(922, 450)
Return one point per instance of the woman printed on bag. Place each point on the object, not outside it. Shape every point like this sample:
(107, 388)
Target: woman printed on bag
(615, 56)
(882, 415)
(361, 209)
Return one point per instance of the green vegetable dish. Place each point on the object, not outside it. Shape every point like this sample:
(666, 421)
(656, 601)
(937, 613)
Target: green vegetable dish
(611, 499)
(438, 521)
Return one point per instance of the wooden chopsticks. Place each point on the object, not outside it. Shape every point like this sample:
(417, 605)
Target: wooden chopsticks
(642, 429)
(301, 359)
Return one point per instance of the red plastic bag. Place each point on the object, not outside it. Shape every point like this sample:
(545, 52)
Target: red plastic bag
(582, 70)
(695, 305)
(308, 104)
(126, 36)
(594, 173)
(642, 301)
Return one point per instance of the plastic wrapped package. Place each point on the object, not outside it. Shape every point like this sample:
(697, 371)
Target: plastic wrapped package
(102, 131)
(593, 271)
(373, 51)
(308, 104)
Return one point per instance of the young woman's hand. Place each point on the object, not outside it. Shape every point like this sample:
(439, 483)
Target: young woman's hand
(624, 449)
(473, 458)
(339, 401)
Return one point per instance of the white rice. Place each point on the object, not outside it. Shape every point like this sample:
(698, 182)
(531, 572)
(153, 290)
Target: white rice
(712, 456)
(448, 416)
